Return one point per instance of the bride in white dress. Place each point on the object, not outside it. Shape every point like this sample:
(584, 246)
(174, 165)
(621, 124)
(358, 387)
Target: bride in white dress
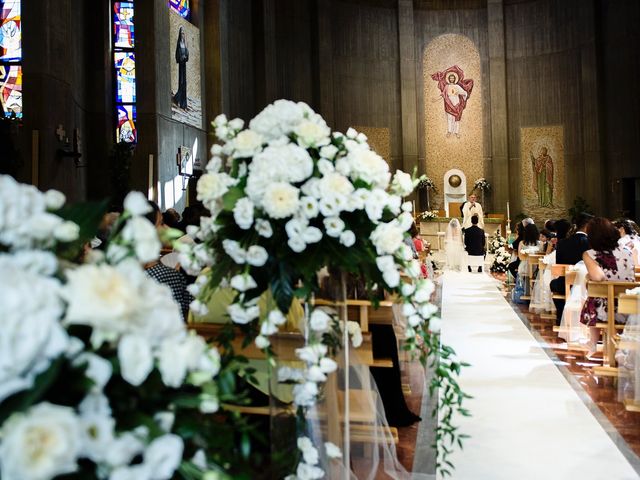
(453, 246)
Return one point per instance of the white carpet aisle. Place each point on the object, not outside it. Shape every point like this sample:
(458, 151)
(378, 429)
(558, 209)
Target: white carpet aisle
(528, 422)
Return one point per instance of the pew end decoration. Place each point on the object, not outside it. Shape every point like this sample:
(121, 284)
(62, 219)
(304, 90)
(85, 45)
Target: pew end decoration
(101, 378)
(287, 198)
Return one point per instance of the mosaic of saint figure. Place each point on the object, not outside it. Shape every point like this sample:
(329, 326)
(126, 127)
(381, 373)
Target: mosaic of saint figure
(182, 57)
(455, 91)
(543, 177)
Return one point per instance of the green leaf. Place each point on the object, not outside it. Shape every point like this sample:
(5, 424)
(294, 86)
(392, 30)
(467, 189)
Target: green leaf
(87, 216)
(231, 197)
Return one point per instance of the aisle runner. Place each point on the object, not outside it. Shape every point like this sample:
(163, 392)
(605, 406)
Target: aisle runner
(528, 422)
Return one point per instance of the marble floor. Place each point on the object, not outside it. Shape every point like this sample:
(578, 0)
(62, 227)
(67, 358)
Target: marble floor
(529, 421)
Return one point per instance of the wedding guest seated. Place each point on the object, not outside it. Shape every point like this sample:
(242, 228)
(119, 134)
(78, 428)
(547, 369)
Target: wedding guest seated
(629, 237)
(530, 244)
(420, 248)
(605, 261)
(569, 252)
(545, 238)
(171, 218)
(474, 244)
(174, 279)
(515, 261)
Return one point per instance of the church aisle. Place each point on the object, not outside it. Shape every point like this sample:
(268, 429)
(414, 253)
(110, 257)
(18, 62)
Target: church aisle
(528, 422)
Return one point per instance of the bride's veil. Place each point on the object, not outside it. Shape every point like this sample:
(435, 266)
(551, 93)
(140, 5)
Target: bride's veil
(454, 232)
(627, 357)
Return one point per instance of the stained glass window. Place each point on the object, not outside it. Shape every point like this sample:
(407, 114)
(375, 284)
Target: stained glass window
(10, 58)
(124, 65)
(181, 7)
(123, 31)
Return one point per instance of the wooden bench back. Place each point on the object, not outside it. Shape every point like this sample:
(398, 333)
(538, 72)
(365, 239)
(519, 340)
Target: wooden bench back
(628, 304)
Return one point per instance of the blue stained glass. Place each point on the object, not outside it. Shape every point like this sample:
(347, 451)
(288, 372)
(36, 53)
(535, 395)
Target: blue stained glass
(10, 31)
(181, 7)
(126, 130)
(125, 64)
(123, 28)
(11, 90)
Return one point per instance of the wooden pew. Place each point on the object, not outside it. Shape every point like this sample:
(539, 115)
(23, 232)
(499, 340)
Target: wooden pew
(284, 345)
(542, 267)
(637, 272)
(609, 290)
(562, 270)
(628, 304)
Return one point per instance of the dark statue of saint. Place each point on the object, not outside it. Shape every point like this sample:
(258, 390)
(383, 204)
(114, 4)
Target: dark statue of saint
(182, 57)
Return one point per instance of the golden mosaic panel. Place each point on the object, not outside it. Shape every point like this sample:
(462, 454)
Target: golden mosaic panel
(379, 139)
(443, 148)
(544, 173)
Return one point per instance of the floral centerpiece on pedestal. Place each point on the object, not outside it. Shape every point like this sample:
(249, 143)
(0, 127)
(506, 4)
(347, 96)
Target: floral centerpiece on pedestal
(501, 260)
(99, 377)
(429, 215)
(288, 197)
(483, 186)
(497, 241)
(427, 184)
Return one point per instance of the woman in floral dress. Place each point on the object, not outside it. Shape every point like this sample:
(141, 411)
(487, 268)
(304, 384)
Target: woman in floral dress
(606, 261)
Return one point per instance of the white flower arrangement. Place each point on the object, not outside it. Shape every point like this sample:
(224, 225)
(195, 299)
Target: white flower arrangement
(427, 182)
(482, 184)
(429, 215)
(501, 260)
(308, 198)
(497, 241)
(77, 340)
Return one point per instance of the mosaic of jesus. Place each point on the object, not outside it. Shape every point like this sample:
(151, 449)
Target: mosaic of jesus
(455, 90)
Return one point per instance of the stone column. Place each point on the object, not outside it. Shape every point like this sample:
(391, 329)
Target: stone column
(498, 89)
(408, 99)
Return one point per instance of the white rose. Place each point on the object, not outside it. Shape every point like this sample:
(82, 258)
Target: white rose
(134, 472)
(247, 144)
(122, 450)
(236, 124)
(347, 238)
(243, 213)
(165, 420)
(333, 226)
(309, 452)
(263, 227)
(328, 365)
(391, 278)
(136, 360)
(325, 166)
(276, 317)
(243, 282)
(137, 204)
(408, 309)
(407, 289)
(220, 120)
(257, 255)
(354, 330)
(435, 324)
(312, 353)
(262, 342)
(242, 315)
(387, 237)
(67, 232)
(98, 369)
(304, 395)
(319, 320)
(235, 251)
(329, 151)
(402, 183)
(142, 235)
(415, 320)
(280, 200)
(164, 455)
(333, 451)
(267, 328)
(308, 472)
(173, 362)
(312, 134)
(40, 444)
(54, 200)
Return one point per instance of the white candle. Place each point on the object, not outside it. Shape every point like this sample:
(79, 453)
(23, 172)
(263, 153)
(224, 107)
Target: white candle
(413, 205)
(150, 192)
(508, 215)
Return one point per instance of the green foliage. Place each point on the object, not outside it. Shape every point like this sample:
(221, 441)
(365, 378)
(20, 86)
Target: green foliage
(88, 217)
(580, 205)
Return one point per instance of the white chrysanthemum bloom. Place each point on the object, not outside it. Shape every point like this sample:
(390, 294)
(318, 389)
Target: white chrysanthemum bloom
(212, 186)
(387, 237)
(402, 183)
(235, 251)
(163, 455)
(319, 320)
(243, 282)
(368, 166)
(262, 342)
(256, 256)
(142, 235)
(243, 213)
(332, 450)
(54, 200)
(42, 443)
(119, 300)
(263, 227)
(136, 204)
(304, 394)
(247, 144)
(31, 335)
(279, 119)
(280, 200)
(355, 332)
(334, 226)
(309, 207)
(312, 134)
(334, 183)
(329, 152)
(348, 238)
(351, 133)
(325, 166)
(242, 315)
(236, 124)
(220, 120)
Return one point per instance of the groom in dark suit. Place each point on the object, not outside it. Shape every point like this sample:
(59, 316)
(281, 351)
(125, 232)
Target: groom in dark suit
(474, 240)
(569, 252)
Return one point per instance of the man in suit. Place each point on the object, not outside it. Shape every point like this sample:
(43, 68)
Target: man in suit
(474, 242)
(569, 252)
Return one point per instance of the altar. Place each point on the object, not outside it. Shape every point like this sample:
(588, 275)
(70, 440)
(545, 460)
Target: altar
(433, 230)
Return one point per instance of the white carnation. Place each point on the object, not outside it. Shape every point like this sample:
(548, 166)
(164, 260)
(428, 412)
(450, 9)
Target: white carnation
(247, 144)
(280, 200)
(263, 227)
(243, 282)
(235, 251)
(257, 256)
(347, 238)
(164, 455)
(312, 134)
